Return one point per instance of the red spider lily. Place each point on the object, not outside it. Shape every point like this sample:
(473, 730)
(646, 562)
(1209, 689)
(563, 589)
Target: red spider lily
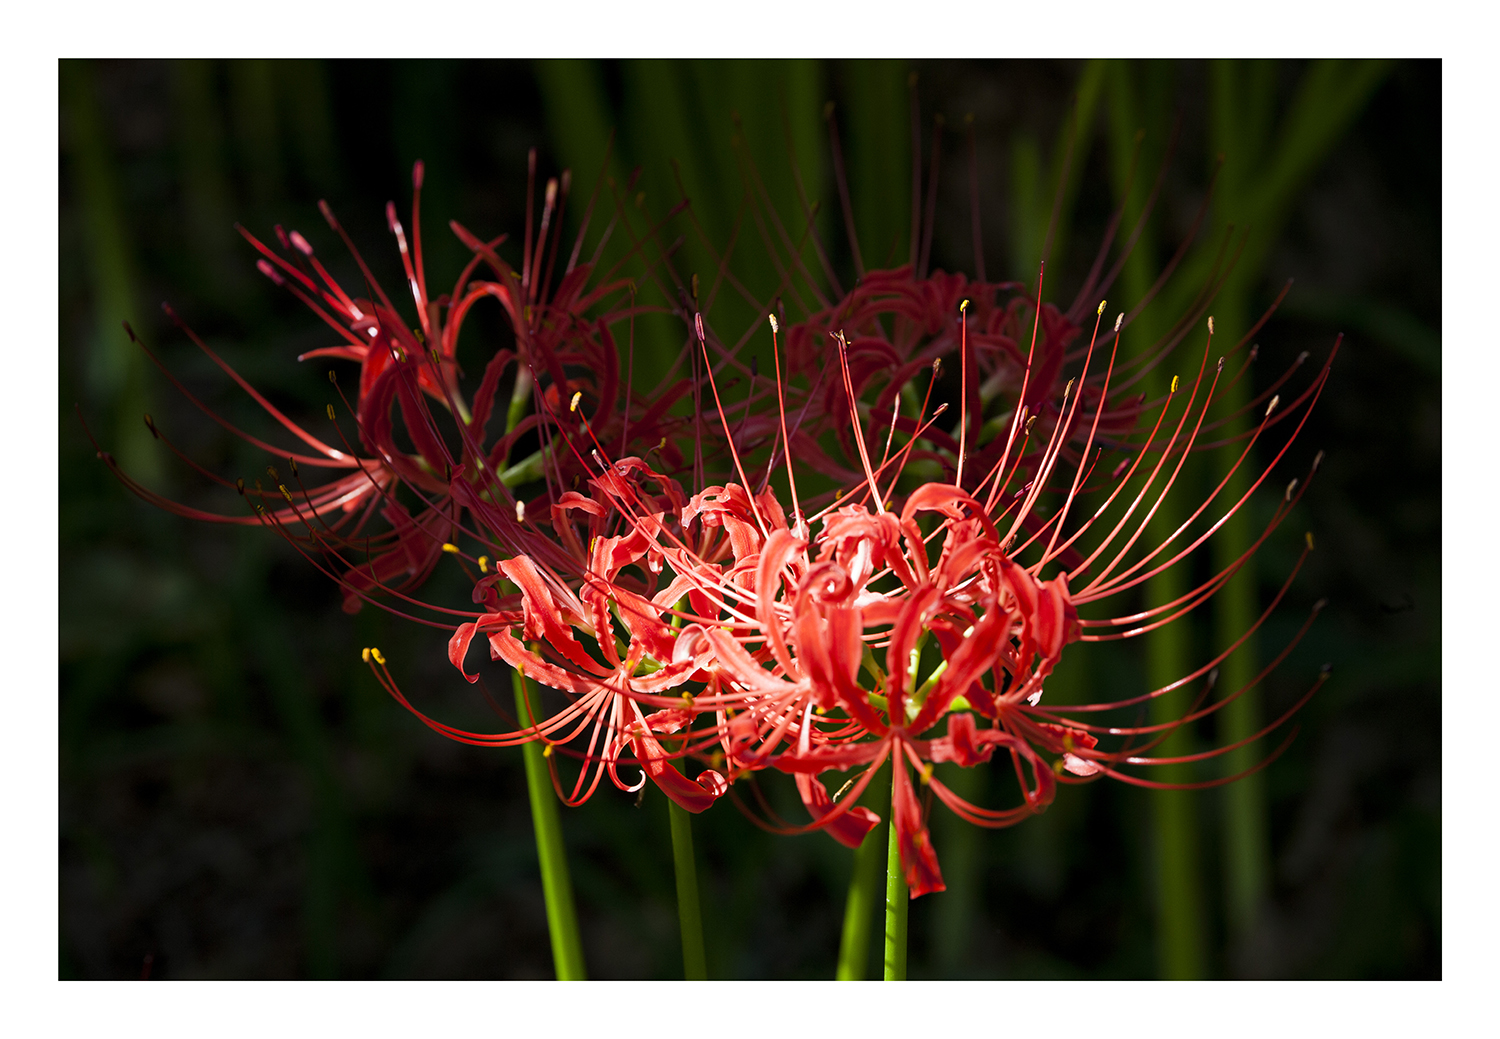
(565, 343)
(713, 628)
(897, 323)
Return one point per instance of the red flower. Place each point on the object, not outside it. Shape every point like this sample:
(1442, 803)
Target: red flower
(714, 628)
(409, 389)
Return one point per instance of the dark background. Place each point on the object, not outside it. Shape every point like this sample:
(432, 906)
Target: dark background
(238, 797)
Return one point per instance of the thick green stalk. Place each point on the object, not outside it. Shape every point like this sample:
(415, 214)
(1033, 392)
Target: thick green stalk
(1140, 95)
(557, 888)
(897, 902)
(689, 911)
(864, 894)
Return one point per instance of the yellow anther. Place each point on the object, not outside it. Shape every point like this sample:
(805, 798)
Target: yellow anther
(576, 398)
(962, 307)
(774, 326)
(1057, 766)
(379, 659)
(364, 654)
(593, 544)
(547, 751)
(520, 512)
(331, 416)
(687, 701)
(1272, 406)
(450, 548)
(484, 564)
(1210, 324)
(1174, 385)
(1100, 312)
(1120, 320)
(284, 492)
(1309, 541)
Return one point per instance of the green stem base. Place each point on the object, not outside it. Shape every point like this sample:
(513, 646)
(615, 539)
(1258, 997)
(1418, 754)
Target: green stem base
(689, 913)
(557, 887)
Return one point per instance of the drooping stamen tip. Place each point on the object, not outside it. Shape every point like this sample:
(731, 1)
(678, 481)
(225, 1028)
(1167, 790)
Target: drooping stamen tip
(964, 306)
(1100, 313)
(1291, 489)
(151, 426)
(327, 212)
(550, 198)
(698, 325)
(577, 396)
(364, 654)
(333, 377)
(301, 244)
(937, 368)
(418, 172)
(450, 548)
(1325, 671)
(1174, 385)
(264, 266)
(1310, 545)
(1318, 606)
(484, 564)
(775, 327)
(1272, 406)
(1317, 461)
(1210, 324)
(520, 511)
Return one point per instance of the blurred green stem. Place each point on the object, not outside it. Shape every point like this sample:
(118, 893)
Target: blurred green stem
(689, 912)
(557, 888)
(1139, 98)
(114, 365)
(864, 893)
(897, 902)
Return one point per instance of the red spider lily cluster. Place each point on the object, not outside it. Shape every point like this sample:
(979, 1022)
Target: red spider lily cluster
(698, 638)
(409, 376)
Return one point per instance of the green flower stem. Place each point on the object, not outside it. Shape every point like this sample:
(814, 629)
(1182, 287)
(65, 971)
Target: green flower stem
(897, 901)
(689, 914)
(557, 889)
(864, 894)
